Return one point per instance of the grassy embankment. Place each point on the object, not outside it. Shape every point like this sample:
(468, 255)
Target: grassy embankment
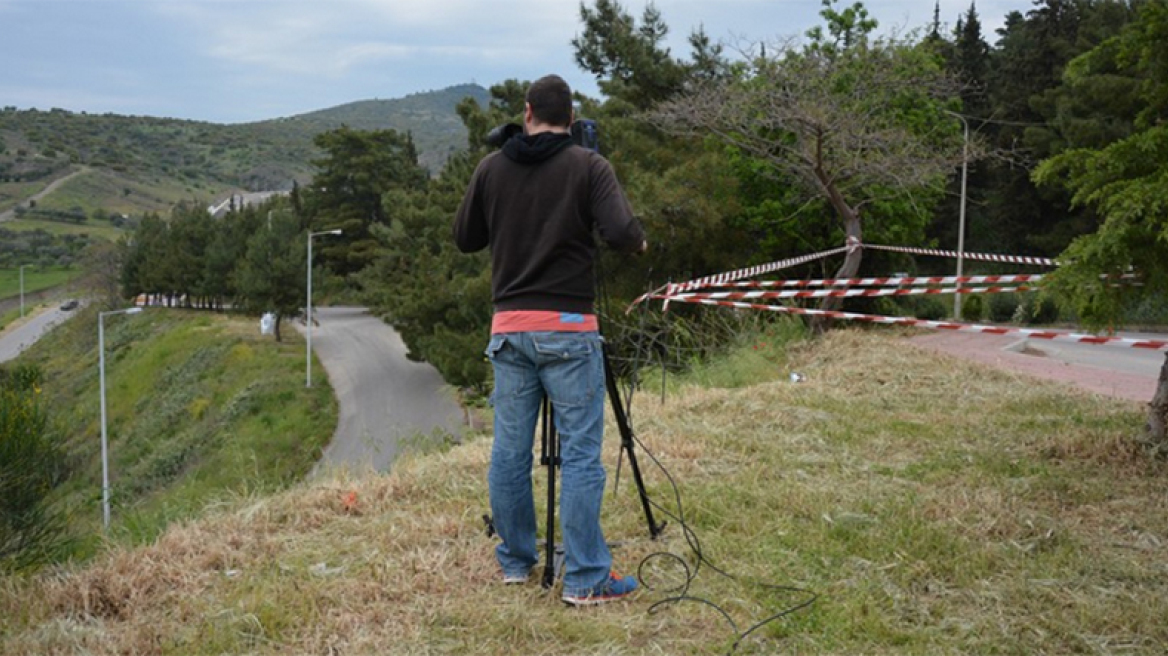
(935, 507)
(34, 281)
(201, 407)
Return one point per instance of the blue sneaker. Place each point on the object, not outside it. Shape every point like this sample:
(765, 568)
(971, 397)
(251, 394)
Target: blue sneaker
(612, 589)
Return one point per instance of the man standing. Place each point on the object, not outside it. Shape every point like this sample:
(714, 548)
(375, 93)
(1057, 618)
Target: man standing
(536, 203)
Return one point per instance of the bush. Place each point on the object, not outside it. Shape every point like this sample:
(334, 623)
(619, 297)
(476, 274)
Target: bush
(1036, 310)
(929, 308)
(1002, 307)
(32, 464)
(973, 307)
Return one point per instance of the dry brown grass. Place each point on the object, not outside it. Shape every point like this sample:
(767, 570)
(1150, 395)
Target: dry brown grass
(936, 507)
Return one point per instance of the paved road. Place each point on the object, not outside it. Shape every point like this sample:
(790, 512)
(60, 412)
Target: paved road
(16, 339)
(1139, 362)
(384, 397)
(1109, 370)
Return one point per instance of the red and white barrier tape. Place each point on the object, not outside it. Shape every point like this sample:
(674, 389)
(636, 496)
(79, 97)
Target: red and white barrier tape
(730, 277)
(942, 325)
(982, 257)
(887, 281)
(837, 293)
(750, 272)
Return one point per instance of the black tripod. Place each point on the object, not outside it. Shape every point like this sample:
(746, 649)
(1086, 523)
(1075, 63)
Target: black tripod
(550, 458)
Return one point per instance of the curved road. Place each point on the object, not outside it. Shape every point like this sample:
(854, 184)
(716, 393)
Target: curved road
(384, 398)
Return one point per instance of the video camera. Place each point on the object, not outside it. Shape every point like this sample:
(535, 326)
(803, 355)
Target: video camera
(585, 132)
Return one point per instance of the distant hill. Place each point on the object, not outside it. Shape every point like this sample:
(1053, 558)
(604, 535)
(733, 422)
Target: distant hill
(142, 163)
(429, 116)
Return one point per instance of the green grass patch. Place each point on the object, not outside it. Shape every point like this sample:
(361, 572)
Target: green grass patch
(93, 228)
(35, 279)
(757, 353)
(200, 407)
(935, 507)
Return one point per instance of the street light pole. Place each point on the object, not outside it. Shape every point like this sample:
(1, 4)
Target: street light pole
(22, 290)
(308, 353)
(105, 486)
(961, 214)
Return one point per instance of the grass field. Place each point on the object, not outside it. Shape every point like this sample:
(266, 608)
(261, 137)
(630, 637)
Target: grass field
(929, 505)
(34, 279)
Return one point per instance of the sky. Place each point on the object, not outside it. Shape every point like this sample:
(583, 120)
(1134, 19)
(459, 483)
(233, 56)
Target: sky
(234, 61)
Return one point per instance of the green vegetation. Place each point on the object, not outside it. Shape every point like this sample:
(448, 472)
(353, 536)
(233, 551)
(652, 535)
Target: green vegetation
(935, 507)
(141, 164)
(32, 464)
(200, 407)
(35, 279)
(88, 231)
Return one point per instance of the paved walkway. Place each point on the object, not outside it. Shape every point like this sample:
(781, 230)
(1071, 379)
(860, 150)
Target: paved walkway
(1124, 373)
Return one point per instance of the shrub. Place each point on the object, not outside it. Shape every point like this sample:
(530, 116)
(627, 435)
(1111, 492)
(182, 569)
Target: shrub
(973, 307)
(1036, 310)
(1002, 307)
(929, 308)
(32, 464)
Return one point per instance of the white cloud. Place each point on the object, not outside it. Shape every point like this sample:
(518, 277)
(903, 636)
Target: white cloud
(334, 38)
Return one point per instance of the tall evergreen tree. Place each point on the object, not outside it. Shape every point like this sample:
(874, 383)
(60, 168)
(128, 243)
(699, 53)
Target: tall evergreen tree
(1127, 182)
(1026, 73)
(358, 168)
(272, 276)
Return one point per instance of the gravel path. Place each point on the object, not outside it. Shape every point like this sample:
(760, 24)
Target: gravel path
(8, 215)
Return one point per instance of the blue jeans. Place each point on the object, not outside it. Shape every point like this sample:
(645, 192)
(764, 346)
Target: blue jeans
(569, 368)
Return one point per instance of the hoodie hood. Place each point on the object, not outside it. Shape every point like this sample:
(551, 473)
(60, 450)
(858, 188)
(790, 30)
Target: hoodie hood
(533, 149)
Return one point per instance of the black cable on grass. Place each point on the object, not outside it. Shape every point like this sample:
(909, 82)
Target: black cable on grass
(681, 592)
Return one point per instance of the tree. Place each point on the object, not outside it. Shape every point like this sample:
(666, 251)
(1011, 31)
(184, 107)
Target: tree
(272, 275)
(628, 60)
(848, 121)
(1027, 67)
(358, 168)
(1126, 181)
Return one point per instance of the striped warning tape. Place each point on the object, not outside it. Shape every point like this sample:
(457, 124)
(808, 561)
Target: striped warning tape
(722, 279)
(838, 293)
(731, 278)
(750, 272)
(983, 257)
(940, 325)
(885, 281)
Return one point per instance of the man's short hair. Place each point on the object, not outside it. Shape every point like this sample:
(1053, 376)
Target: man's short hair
(551, 101)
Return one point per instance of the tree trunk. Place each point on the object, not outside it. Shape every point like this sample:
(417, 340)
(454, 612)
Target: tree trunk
(851, 265)
(1157, 436)
(276, 327)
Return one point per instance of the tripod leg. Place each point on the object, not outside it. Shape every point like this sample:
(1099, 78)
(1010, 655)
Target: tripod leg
(550, 457)
(627, 443)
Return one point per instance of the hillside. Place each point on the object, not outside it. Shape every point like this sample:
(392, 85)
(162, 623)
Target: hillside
(201, 406)
(934, 507)
(140, 163)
